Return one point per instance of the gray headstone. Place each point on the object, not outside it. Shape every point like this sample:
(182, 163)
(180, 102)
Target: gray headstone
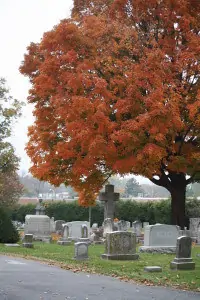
(58, 225)
(160, 238)
(28, 241)
(66, 231)
(152, 269)
(145, 224)
(38, 225)
(120, 245)
(194, 225)
(137, 228)
(81, 251)
(109, 198)
(183, 260)
(108, 226)
(28, 238)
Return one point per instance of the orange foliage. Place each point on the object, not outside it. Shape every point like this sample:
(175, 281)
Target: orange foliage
(116, 90)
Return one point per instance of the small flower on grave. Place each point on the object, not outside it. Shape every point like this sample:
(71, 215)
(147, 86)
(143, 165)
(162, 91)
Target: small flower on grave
(55, 237)
(116, 220)
(193, 244)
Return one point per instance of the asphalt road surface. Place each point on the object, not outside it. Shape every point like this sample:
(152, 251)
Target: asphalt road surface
(29, 280)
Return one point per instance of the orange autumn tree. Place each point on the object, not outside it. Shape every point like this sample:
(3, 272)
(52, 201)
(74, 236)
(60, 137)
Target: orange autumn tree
(116, 90)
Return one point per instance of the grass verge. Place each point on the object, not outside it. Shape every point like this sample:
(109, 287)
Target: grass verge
(62, 256)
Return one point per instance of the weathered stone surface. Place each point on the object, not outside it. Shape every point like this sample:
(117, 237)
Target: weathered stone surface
(47, 240)
(120, 245)
(64, 242)
(122, 225)
(137, 228)
(59, 225)
(108, 226)
(12, 245)
(81, 251)
(75, 229)
(84, 231)
(38, 225)
(109, 198)
(28, 241)
(194, 226)
(52, 225)
(160, 238)
(153, 269)
(183, 260)
(28, 245)
(28, 238)
(161, 250)
(145, 224)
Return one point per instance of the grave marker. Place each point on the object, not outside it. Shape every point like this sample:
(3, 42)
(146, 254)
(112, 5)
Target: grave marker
(109, 198)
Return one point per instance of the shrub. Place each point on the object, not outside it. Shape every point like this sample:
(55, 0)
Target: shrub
(151, 211)
(8, 233)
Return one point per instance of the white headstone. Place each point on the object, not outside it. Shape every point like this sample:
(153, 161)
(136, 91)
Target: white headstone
(75, 228)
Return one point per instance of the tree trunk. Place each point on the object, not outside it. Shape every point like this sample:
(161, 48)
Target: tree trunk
(178, 205)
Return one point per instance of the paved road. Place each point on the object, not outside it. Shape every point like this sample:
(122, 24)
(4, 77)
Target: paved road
(28, 280)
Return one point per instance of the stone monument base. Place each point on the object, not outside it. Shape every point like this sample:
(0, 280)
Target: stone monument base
(98, 242)
(85, 240)
(40, 238)
(64, 242)
(153, 249)
(28, 245)
(120, 256)
(182, 264)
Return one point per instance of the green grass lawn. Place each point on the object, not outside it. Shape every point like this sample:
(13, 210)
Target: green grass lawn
(125, 270)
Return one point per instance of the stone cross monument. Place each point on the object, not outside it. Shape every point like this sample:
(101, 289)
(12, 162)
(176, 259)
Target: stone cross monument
(109, 198)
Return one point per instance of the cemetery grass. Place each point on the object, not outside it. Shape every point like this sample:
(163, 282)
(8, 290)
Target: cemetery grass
(62, 256)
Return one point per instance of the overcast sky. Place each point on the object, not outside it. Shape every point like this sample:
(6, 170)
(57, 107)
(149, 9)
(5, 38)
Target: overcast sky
(22, 22)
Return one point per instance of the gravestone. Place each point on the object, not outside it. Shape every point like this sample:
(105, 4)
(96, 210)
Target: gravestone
(108, 226)
(160, 238)
(194, 225)
(81, 251)
(145, 224)
(137, 228)
(109, 198)
(40, 209)
(84, 234)
(84, 231)
(52, 225)
(28, 241)
(198, 236)
(120, 245)
(65, 240)
(94, 226)
(183, 260)
(59, 226)
(152, 269)
(75, 229)
(12, 245)
(121, 225)
(97, 235)
(38, 225)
